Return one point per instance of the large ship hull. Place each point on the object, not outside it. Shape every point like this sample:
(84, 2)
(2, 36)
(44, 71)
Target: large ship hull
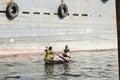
(90, 25)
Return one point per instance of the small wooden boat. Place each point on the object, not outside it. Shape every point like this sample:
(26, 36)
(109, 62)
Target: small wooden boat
(50, 61)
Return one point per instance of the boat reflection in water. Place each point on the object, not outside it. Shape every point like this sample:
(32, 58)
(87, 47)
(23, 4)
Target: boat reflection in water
(57, 71)
(49, 70)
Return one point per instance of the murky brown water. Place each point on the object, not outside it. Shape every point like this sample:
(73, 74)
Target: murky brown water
(100, 65)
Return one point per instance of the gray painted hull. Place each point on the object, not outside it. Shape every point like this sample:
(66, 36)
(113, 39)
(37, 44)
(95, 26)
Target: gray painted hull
(97, 30)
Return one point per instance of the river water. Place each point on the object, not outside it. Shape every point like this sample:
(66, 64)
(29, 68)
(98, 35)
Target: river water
(86, 65)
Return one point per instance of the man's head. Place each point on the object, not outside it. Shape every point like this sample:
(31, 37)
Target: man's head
(50, 48)
(66, 46)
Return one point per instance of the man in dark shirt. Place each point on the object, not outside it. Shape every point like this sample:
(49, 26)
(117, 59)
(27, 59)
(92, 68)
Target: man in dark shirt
(66, 52)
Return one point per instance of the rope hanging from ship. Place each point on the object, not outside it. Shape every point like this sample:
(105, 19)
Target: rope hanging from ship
(12, 10)
(62, 10)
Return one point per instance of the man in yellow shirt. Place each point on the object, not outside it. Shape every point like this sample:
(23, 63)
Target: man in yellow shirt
(49, 53)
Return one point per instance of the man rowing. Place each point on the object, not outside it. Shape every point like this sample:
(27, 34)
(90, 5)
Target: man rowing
(66, 52)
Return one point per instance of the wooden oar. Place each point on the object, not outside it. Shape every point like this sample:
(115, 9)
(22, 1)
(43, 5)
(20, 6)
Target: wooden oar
(62, 58)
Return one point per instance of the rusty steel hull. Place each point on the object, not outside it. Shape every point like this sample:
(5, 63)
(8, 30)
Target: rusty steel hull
(91, 24)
